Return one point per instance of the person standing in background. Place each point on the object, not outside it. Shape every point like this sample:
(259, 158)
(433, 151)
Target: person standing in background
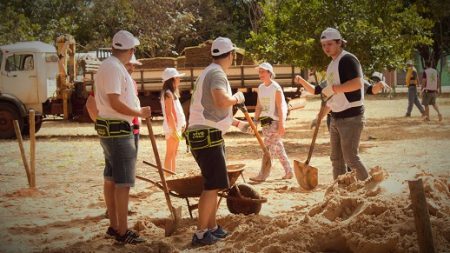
(411, 82)
(430, 87)
(174, 122)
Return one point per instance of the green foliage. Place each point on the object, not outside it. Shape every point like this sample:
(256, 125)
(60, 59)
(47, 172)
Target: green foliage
(382, 34)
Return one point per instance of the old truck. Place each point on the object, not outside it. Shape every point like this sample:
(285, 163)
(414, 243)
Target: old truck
(39, 76)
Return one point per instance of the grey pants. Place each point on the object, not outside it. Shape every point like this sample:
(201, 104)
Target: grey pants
(344, 138)
(413, 99)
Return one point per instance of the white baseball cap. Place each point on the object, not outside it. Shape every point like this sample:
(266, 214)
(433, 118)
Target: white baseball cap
(221, 45)
(266, 66)
(331, 34)
(171, 73)
(410, 62)
(378, 75)
(134, 61)
(124, 40)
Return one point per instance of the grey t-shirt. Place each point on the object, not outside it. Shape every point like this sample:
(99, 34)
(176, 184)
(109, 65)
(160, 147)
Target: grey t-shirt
(215, 79)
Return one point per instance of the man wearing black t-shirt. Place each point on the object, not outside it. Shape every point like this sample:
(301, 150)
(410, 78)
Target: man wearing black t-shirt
(345, 90)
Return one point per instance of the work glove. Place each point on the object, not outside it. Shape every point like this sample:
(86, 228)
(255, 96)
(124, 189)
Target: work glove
(328, 91)
(239, 96)
(245, 127)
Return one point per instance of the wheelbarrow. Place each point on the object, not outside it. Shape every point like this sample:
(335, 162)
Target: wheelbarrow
(241, 198)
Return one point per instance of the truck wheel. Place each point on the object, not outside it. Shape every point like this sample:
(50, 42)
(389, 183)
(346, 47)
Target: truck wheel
(8, 113)
(37, 125)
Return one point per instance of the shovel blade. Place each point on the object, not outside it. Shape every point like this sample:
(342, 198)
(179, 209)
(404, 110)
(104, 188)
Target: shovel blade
(172, 224)
(266, 165)
(307, 176)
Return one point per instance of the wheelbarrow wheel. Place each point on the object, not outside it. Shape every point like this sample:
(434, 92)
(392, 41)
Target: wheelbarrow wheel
(244, 199)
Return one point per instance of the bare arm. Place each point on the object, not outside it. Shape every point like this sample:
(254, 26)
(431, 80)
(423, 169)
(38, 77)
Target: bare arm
(278, 102)
(122, 108)
(257, 110)
(92, 108)
(309, 87)
(222, 99)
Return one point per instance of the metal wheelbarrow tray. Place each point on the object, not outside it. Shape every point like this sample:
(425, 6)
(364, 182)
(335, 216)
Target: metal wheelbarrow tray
(241, 198)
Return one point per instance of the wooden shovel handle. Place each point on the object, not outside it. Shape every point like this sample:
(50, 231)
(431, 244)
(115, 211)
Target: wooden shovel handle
(316, 130)
(252, 125)
(160, 169)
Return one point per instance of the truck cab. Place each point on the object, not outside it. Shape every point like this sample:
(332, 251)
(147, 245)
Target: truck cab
(28, 72)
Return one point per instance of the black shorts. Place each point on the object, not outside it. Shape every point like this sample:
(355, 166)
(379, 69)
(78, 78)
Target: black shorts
(213, 166)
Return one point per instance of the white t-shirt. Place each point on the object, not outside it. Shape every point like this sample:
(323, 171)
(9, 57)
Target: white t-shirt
(431, 79)
(113, 78)
(179, 113)
(266, 97)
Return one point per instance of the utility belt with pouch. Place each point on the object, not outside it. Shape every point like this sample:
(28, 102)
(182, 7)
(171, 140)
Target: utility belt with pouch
(203, 138)
(265, 121)
(112, 128)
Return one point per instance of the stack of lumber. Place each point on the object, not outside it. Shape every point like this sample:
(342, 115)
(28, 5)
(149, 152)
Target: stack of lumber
(157, 62)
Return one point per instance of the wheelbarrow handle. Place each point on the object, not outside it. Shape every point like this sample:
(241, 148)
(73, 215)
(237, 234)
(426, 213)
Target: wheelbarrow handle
(160, 169)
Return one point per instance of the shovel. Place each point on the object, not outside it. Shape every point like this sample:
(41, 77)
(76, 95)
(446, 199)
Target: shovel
(171, 225)
(306, 175)
(266, 161)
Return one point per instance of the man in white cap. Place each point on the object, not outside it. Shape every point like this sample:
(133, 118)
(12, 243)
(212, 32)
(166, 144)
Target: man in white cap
(411, 81)
(345, 90)
(210, 117)
(117, 105)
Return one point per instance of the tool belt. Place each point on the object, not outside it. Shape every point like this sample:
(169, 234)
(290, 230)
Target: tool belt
(112, 127)
(203, 138)
(265, 121)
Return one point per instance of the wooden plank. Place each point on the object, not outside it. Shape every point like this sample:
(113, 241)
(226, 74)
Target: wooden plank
(421, 216)
(32, 149)
(22, 150)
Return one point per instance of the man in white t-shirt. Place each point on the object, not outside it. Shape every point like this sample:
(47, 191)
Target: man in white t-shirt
(430, 87)
(117, 105)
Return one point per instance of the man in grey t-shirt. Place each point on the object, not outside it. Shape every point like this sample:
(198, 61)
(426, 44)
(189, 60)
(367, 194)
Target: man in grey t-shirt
(209, 118)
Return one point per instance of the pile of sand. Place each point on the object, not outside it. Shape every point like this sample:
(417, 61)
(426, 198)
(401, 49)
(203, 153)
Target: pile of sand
(354, 216)
(371, 216)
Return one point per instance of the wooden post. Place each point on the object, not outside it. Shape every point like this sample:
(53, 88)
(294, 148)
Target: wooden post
(32, 149)
(22, 150)
(421, 216)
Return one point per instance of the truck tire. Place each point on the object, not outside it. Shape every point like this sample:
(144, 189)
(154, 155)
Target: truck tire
(37, 125)
(8, 113)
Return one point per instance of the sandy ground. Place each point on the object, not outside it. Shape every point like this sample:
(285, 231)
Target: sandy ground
(65, 213)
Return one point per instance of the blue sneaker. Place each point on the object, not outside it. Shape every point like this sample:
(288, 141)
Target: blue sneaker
(219, 232)
(207, 239)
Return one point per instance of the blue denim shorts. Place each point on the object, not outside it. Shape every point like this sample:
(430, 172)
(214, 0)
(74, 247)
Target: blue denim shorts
(120, 160)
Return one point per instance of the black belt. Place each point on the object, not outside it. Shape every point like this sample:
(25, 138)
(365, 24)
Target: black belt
(265, 121)
(203, 138)
(430, 91)
(112, 127)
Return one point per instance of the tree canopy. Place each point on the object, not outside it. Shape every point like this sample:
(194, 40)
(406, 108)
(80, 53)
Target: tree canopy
(382, 33)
